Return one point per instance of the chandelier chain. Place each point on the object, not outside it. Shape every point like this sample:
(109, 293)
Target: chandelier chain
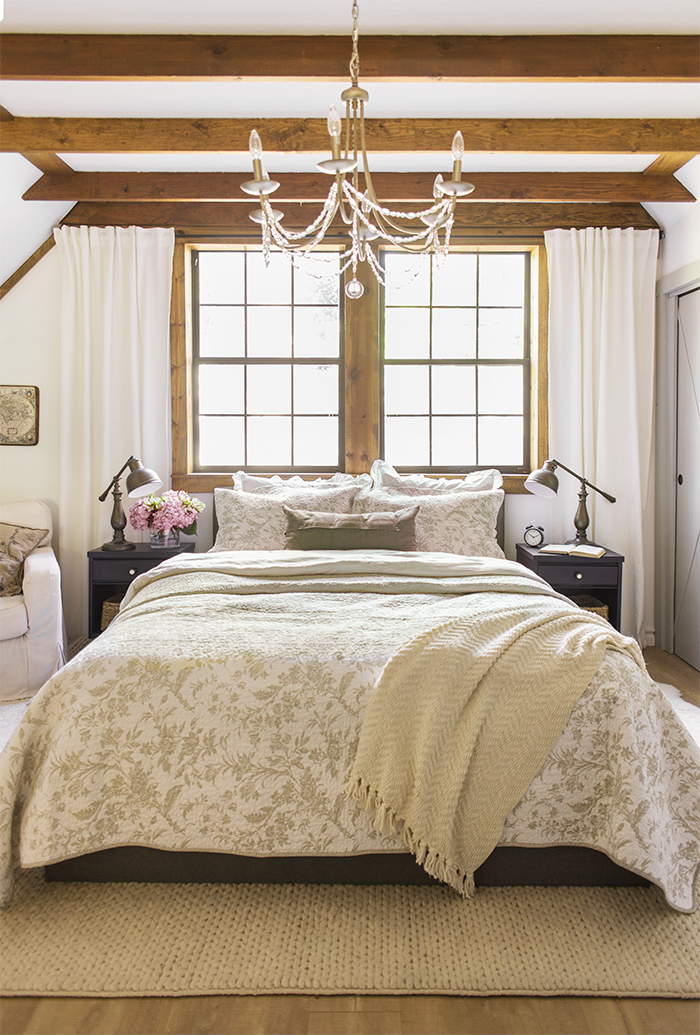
(355, 59)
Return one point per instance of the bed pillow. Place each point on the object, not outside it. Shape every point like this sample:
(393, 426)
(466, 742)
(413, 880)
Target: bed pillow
(386, 479)
(256, 521)
(311, 530)
(16, 543)
(276, 485)
(453, 522)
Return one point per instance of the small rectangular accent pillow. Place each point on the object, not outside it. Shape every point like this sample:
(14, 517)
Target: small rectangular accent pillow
(309, 530)
(452, 522)
(16, 543)
(256, 520)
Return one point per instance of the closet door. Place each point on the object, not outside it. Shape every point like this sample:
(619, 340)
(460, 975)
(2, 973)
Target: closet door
(687, 592)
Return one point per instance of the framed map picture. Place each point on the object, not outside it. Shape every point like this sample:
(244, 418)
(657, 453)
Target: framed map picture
(19, 415)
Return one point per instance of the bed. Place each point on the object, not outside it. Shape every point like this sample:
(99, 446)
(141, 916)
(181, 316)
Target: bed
(213, 732)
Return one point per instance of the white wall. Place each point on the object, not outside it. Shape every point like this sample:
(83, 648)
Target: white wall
(29, 351)
(680, 223)
(24, 225)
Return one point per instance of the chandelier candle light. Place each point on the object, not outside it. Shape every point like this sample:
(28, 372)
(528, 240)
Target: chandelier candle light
(364, 215)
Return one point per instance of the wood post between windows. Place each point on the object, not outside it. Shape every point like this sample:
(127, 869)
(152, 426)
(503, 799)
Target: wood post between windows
(362, 374)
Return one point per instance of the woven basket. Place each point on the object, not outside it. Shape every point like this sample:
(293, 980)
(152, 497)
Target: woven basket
(587, 603)
(110, 610)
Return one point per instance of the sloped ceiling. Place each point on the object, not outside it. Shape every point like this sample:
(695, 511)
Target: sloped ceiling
(26, 223)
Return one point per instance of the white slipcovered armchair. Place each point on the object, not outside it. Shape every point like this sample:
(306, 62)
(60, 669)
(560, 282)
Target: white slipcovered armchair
(31, 625)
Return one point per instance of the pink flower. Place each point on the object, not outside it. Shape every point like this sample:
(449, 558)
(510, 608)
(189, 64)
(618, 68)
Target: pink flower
(174, 509)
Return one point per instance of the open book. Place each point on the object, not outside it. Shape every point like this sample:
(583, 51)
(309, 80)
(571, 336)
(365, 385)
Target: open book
(573, 548)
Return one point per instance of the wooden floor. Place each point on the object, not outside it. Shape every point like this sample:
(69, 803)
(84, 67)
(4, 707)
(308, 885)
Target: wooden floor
(369, 1015)
(350, 1015)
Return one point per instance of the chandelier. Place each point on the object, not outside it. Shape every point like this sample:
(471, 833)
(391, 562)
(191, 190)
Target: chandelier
(361, 211)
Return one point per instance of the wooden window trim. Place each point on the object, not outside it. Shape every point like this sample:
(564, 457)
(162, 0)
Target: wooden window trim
(361, 366)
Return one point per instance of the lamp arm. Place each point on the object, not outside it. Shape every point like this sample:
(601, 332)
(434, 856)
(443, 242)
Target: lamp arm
(584, 481)
(114, 480)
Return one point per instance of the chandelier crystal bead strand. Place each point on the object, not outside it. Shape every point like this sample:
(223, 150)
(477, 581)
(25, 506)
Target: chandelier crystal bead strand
(362, 213)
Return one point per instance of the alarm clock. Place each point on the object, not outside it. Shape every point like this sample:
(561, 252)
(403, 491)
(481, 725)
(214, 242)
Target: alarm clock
(534, 536)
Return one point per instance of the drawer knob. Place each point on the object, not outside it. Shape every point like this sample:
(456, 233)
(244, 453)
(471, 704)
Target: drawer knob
(578, 575)
(132, 571)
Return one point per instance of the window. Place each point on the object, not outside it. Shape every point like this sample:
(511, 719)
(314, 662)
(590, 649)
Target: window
(266, 364)
(456, 362)
(273, 371)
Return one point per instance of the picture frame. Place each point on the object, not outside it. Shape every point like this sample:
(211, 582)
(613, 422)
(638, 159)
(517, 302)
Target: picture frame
(19, 415)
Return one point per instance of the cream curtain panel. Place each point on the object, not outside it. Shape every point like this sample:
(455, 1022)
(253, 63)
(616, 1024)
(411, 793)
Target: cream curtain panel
(114, 382)
(601, 396)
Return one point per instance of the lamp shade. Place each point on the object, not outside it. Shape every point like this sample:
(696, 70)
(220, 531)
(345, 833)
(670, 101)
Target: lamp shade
(543, 482)
(141, 481)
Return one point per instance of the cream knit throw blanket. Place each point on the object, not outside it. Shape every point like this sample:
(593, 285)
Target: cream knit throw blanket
(462, 720)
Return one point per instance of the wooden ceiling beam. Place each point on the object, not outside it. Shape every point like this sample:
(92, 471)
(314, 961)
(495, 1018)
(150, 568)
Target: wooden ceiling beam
(668, 164)
(45, 161)
(390, 187)
(473, 217)
(534, 136)
(591, 58)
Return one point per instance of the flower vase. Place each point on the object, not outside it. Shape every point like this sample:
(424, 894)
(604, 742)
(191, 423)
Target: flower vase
(165, 540)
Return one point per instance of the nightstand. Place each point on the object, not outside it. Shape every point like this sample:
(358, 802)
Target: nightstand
(600, 577)
(112, 571)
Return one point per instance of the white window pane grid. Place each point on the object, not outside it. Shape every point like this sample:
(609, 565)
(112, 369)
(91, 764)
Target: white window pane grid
(269, 441)
(221, 390)
(221, 331)
(266, 414)
(221, 278)
(221, 441)
(315, 441)
(476, 410)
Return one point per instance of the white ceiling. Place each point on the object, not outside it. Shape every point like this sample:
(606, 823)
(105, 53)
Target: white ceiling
(318, 17)
(387, 100)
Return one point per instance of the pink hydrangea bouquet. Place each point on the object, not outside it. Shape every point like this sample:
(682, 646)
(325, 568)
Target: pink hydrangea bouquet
(171, 510)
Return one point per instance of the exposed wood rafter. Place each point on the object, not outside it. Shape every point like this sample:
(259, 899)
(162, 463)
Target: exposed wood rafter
(668, 164)
(473, 218)
(608, 58)
(391, 187)
(45, 161)
(534, 136)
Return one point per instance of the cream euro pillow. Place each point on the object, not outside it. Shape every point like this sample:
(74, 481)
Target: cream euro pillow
(386, 478)
(276, 485)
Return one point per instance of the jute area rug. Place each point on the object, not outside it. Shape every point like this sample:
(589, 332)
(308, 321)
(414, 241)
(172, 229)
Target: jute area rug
(199, 939)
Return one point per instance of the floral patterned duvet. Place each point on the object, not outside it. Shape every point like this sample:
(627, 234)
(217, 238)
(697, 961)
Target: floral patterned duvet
(221, 712)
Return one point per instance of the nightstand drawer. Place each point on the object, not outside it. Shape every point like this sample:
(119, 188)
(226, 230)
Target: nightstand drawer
(122, 570)
(570, 576)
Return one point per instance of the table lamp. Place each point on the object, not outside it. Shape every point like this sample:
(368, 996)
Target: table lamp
(544, 482)
(139, 482)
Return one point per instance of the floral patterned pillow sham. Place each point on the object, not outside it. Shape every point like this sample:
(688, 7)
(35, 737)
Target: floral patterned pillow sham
(454, 522)
(256, 521)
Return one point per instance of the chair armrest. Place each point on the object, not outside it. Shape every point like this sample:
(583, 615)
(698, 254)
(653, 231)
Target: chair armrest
(41, 583)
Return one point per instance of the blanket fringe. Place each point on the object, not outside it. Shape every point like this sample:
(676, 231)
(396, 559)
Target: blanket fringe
(387, 822)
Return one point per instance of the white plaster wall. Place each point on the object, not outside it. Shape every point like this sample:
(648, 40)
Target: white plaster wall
(24, 225)
(680, 223)
(30, 316)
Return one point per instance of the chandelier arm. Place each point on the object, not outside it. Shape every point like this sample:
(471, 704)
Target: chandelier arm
(347, 219)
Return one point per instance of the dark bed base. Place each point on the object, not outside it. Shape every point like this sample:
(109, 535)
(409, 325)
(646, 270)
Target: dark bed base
(506, 866)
